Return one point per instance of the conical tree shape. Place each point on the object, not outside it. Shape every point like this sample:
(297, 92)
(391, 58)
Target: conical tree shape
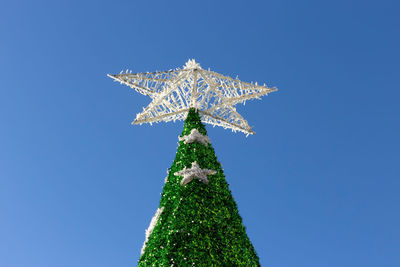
(197, 224)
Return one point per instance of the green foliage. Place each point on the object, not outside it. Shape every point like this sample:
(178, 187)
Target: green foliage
(200, 224)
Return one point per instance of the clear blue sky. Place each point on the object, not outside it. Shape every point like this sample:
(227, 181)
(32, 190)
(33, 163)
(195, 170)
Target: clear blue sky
(317, 186)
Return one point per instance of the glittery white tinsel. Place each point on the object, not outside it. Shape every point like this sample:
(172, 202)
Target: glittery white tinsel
(195, 136)
(194, 172)
(149, 230)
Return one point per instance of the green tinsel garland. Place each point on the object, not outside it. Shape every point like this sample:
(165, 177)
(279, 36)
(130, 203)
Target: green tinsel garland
(200, 224)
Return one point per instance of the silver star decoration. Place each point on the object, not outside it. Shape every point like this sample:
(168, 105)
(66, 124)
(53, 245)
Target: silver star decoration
(194, 172)
(195, 136)
(174, 92)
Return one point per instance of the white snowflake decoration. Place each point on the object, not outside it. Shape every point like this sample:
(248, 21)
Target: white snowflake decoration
(194, 172)
(149, 230)
(174, 92)
(195, 136)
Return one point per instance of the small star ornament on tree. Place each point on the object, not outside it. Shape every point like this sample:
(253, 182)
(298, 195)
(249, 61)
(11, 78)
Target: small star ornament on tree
(195, 136)
(194, 172)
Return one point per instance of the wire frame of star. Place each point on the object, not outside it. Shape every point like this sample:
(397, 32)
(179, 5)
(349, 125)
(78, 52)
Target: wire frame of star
(174, 92)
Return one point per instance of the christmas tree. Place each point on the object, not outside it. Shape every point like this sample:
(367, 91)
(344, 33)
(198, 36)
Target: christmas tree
(197, 222)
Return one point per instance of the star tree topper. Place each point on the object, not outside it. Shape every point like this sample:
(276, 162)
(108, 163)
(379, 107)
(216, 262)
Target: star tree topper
(174, 92)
